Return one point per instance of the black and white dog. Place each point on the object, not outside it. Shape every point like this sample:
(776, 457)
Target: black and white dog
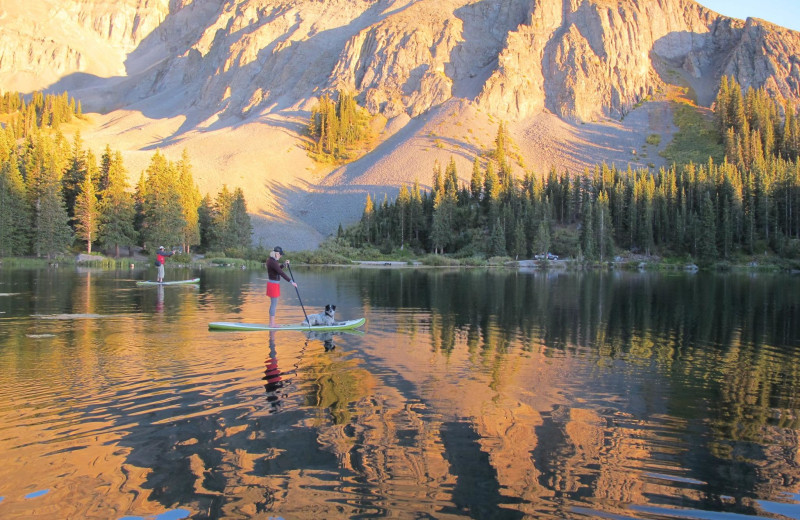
(323, 318)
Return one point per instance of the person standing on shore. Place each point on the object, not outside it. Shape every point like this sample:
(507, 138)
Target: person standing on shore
(274, 274)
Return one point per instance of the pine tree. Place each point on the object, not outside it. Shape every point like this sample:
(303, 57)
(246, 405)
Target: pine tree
(75, 174)
(542, 239)
(416, 214)
(451, 179)
(726, 232)
(222, 238)
(476, 182)
(403, 205)
(588, 239)
(497, 245)
(572, 196)
(32, 164)
(443, 223)
(189, 197)
(791, 133)
(520, 240)
(721, 110)
(117, 211)
(736, 111)
(368, 218)
(86, 213)
(15, 221)
(501, 156)
(52, 234)
(105, 166)
(707, 241)
(491, 185)
(163, 222)
(240, 226)
(437, 182)
(642, 212)
(205, 214)
(604, 227)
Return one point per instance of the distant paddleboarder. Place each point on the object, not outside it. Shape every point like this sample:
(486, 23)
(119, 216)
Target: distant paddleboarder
(274, 274)
(161, 257)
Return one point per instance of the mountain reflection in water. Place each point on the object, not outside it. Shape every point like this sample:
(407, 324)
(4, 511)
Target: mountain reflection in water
(485, 393)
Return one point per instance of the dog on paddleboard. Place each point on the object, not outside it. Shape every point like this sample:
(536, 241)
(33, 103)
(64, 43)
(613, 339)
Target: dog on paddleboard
(323, 318)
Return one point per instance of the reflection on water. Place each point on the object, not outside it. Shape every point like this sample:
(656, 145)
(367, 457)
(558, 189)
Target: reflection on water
(468, 394)
(273, 375)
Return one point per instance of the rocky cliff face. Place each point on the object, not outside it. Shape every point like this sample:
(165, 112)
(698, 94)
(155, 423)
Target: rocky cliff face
(768, 56)
(591, 57)
(580, 59)
(42, 42)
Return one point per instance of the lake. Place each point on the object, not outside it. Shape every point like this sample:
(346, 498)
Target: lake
(469, 393)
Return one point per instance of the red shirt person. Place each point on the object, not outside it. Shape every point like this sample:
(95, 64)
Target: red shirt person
(161, 257)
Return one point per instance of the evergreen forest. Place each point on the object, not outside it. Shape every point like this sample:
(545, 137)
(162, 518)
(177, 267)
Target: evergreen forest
(57, 197)
(338, 129)
(747, 204)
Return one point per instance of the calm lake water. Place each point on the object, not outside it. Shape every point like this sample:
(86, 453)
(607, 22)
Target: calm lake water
(468, 394)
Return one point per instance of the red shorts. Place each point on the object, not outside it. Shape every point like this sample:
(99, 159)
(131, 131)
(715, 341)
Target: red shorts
(273, 289)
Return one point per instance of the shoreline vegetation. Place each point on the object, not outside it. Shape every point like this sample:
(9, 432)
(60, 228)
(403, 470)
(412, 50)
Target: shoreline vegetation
(323, 258)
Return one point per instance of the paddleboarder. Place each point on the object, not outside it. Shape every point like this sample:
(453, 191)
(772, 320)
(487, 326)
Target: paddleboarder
(161, 257)
(274, 274)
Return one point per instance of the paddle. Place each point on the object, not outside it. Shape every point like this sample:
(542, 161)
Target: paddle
(298, 293)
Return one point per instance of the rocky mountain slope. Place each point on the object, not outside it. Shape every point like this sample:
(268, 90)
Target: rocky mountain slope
(232, 81)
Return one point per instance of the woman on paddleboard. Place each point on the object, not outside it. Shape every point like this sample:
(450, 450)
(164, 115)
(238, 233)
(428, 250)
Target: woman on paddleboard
(274, 274)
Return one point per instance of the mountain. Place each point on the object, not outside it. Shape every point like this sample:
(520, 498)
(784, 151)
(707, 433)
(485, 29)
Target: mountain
(232, 81)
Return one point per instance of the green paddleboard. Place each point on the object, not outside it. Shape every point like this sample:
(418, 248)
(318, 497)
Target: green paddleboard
(339, 325)
(176, 282)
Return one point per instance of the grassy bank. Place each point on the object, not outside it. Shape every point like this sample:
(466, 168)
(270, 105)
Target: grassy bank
(697, 138)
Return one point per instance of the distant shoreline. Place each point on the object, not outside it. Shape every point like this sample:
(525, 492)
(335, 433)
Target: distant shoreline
(754, 264)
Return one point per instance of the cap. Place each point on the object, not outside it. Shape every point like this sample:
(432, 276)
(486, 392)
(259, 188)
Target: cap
(160, 247)
(278, 249)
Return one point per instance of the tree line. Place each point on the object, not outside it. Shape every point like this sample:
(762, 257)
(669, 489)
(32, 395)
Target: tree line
(755, 126)
(40, 111)
(56, 197)
(748, 204)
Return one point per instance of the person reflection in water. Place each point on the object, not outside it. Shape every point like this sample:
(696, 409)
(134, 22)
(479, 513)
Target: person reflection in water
(273, 376)
(160, 299)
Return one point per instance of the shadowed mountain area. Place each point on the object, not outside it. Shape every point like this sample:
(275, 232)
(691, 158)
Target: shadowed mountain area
(578, 82)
